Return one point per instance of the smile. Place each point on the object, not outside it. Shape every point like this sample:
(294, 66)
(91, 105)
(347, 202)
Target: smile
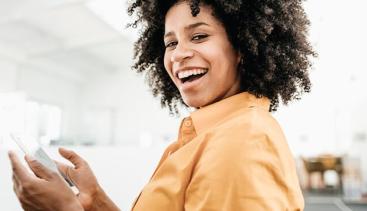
(191, 75)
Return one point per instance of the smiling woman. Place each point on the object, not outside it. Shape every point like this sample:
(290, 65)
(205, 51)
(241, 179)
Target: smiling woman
(231, 60)
(199, 57)
(234, 62)
(268, 37)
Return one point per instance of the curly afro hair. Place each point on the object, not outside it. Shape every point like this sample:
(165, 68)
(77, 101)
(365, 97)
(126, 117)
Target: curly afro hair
(270, 34)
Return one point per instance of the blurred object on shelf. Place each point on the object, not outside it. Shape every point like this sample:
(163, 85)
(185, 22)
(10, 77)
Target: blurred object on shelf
(316, 167)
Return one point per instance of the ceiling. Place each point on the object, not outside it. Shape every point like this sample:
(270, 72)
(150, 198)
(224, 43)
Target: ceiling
(77, 38)
(67, 36)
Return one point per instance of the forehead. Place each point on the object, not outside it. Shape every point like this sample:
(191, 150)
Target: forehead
(179, 16)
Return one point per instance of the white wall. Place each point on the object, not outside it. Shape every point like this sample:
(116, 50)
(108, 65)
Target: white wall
(43, 86)
(126, 98)
(8, 76)
(327, 119)
(112, 107)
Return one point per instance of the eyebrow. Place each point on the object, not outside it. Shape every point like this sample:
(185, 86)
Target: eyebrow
(188, 27)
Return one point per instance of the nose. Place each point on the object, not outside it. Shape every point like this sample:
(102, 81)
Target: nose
(181, 53)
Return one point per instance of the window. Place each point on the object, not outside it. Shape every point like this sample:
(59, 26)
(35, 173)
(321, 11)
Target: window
(41, 121)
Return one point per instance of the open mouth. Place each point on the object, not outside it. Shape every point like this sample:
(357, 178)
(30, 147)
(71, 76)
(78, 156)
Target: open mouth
(191, 75)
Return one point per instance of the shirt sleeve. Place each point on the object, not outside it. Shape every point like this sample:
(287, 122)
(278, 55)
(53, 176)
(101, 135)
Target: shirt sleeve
(244, 171)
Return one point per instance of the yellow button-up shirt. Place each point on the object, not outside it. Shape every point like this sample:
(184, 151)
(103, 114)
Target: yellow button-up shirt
(229, 156)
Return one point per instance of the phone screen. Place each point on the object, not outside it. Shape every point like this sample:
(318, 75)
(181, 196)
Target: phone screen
(37, 152)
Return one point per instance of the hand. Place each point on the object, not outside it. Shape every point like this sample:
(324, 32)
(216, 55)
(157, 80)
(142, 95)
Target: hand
(45, 190)
(91, 195)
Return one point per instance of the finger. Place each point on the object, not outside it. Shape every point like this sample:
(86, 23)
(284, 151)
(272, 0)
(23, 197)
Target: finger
(40, 170)
(63, 168)
(15, 185)
(66, 172)
(15, 180)
(72, 157)
(15, 189)
(19, 171)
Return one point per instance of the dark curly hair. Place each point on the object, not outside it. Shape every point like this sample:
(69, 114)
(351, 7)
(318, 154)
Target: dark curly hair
(270, 34)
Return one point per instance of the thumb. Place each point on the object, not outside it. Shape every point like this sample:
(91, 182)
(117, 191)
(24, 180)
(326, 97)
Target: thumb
(39, 170)
(72, 157)
(63, 168)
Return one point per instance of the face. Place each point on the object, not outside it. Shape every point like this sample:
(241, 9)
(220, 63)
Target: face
(199, 57)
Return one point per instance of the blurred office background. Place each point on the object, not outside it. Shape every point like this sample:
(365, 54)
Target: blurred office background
(65, 79)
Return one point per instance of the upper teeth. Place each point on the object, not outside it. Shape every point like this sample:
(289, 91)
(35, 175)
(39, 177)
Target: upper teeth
(187, 73)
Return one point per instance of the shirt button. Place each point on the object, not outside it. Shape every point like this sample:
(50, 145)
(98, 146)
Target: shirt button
(187, 123)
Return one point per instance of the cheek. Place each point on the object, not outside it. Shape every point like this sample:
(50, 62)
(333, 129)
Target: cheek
(226, 58)
(224, 67)
(217, 58)
(167, 63)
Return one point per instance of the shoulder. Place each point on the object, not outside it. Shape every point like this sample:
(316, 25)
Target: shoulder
(248, 125)
(250, 134)
(250, 152)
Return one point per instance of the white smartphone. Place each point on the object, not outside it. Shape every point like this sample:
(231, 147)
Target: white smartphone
(40, 155)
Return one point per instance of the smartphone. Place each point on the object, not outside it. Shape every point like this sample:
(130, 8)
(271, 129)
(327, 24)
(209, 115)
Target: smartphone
(37, 152)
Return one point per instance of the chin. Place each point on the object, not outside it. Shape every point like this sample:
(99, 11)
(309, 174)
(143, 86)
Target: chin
(195, 102)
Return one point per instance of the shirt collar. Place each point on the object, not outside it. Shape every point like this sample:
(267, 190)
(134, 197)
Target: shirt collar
(208, 116)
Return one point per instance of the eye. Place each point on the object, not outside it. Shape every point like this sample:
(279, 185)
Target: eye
(198, 37)
(171, 44)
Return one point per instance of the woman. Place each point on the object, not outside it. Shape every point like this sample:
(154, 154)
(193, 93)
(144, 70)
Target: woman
(233, 62)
